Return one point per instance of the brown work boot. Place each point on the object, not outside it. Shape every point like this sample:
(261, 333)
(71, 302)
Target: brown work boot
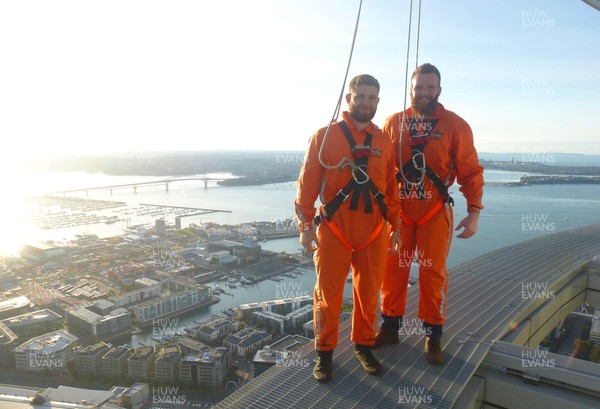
(367, 360)
(433, 349)
(324, 366)
(385, 336)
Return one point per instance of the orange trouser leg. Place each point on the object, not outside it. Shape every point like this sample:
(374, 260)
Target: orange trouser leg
(433, 244)
(332, 262)
(397, 272)
(368, 266)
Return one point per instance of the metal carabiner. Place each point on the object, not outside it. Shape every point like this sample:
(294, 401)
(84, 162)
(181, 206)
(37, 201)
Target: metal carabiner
(366, 179)
(417, 154)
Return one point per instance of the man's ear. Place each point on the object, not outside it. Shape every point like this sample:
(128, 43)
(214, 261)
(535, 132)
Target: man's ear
(348, 97)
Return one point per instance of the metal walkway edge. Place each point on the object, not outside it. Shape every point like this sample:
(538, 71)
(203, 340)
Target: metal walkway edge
(486, 299)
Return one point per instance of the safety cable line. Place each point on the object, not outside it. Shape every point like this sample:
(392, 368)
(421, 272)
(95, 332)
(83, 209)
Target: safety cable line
(344, 161)
(418, 35)
(407, 182)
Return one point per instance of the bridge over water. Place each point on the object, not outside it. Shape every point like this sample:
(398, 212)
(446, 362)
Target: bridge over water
(135, 185)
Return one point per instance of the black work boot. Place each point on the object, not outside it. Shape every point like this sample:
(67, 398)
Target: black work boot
(433, 343)
(388, 332)
(367, 360)
(324, 366)
(433, 349)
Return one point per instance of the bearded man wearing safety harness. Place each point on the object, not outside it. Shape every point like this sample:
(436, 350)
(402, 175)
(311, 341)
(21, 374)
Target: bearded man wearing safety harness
(358, 194)
(437, 148)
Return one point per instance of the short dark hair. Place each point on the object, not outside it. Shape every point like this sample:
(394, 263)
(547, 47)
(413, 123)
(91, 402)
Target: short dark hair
(427, 69)
(363, 79)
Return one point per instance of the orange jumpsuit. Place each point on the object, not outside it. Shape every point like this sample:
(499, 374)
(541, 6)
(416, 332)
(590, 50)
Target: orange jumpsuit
(450, 153)
(333, 258)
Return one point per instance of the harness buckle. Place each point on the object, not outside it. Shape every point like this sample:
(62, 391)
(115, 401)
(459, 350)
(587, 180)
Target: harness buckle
(341, 191)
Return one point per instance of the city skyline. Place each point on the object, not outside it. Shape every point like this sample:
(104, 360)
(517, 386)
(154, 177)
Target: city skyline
(152, 76)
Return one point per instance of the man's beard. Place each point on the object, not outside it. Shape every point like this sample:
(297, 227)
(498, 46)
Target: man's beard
(361, 115)
(425, 109)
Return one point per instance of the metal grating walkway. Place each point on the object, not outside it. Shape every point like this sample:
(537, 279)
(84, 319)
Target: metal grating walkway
(484, 302)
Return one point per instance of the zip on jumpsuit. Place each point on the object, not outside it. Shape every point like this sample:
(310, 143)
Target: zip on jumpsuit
(351, 238)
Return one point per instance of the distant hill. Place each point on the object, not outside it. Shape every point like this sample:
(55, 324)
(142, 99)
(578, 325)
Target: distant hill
(250, 167)
(256, 167)
(542, 168)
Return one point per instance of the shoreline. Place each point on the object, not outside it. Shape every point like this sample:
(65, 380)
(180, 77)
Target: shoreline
(555, 180)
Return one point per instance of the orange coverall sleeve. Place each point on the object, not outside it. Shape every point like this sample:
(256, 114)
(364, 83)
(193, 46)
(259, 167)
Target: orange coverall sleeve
(392, 195)
(469, 173)
(309, 183)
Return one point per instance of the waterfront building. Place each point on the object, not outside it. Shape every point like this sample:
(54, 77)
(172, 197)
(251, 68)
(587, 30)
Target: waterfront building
(114, 362)
(208, 369)
(278, 352)
(49, 352)
(189, 346)
(284, 324)
(133, 397)
(102, 307)
(161, 227)
(116, 322)
(40, 252)
(215, 329)
(247, 252)
(32, 324)
(146, 282)
(171, 304)
(67, 397)
(281, 306)
(141, 364)
(135, 296)
(88, 360)
(223, 258)
(8, 342)
(246, 341)
(14, 306)
(166, 364)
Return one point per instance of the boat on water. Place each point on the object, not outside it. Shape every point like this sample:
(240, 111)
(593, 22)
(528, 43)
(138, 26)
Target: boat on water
(244, 280)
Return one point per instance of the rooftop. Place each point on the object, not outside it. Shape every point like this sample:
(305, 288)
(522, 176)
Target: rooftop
(490, 325)
(51, 342)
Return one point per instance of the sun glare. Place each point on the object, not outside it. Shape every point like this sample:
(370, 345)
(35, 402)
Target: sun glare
(14, 207)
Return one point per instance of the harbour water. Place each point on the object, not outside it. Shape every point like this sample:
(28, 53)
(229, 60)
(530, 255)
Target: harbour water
(511, 215)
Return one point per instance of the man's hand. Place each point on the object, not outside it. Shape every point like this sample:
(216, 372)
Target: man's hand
(395, 242)
(469, 224)
(307, 238)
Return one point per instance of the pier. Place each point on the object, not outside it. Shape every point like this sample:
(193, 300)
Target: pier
(200, 211)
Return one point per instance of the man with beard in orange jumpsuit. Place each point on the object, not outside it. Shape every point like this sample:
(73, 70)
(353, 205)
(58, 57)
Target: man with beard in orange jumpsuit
(351, 166)
(437, 148)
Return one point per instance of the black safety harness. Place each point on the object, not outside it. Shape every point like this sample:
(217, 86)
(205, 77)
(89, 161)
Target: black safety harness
(413, 168)
(360, 184)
